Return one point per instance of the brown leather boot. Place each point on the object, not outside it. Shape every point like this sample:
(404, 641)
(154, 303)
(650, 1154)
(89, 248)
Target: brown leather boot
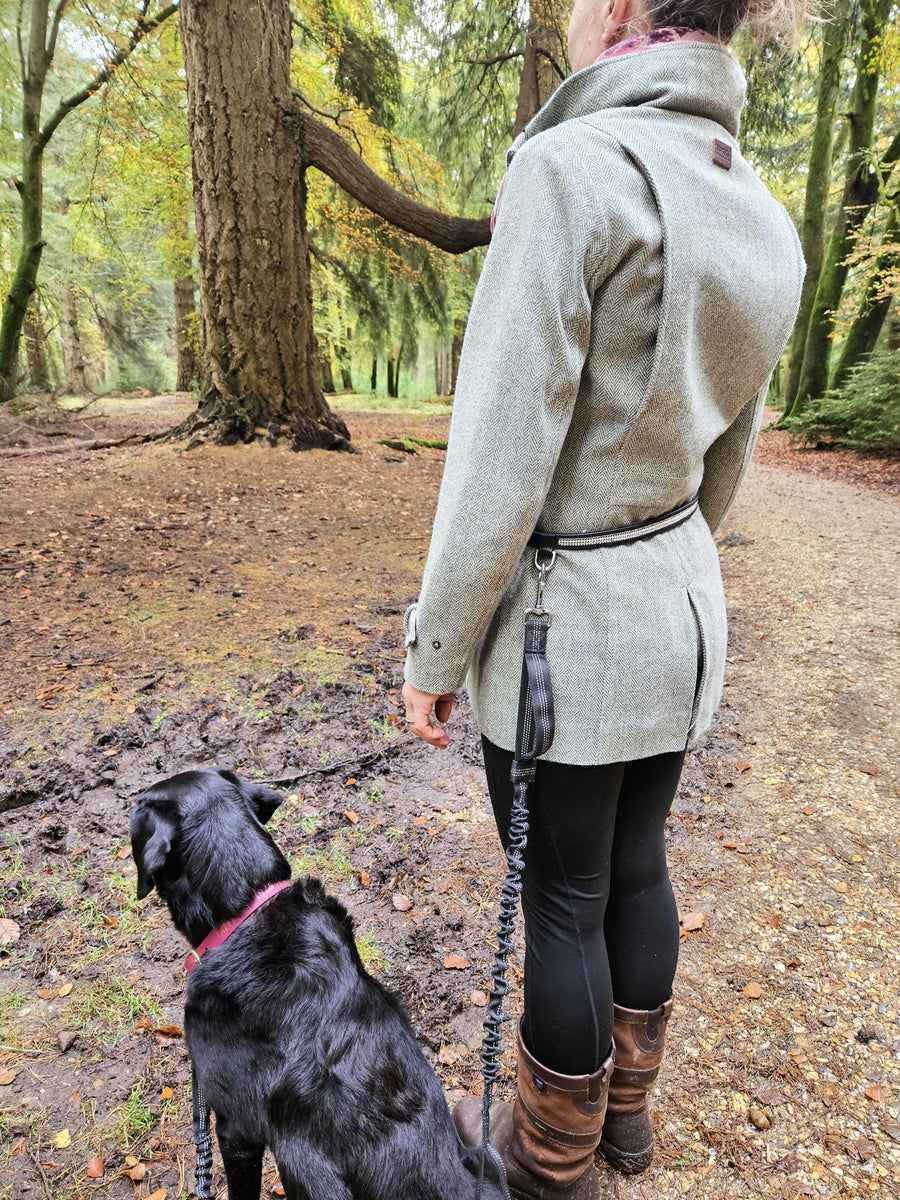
(639, 1038)
(547, 1138)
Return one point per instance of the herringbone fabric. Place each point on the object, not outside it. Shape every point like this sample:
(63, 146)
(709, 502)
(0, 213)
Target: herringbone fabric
(635, 298)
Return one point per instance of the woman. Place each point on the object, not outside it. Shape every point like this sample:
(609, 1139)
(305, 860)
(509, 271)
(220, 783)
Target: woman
(639, 290)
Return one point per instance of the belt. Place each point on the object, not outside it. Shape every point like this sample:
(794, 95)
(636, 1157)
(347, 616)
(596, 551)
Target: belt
(620, 535)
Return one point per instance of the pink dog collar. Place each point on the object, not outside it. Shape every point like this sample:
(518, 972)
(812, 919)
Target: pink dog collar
(224, 932)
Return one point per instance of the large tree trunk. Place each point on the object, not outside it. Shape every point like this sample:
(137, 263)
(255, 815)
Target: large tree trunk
(860, 192)
(260, 369)
(818, 182)
(73, 358)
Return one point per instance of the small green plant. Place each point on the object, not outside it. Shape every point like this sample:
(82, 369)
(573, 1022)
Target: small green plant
(371, 953)
(117, 1005)
(863, 414)
(136, 1120)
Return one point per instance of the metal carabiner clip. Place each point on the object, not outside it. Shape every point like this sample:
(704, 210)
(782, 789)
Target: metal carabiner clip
(544, 567)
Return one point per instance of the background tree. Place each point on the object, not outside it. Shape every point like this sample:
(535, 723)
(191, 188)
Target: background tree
(37, 49)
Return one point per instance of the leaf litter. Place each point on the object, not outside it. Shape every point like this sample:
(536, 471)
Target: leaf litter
(258, 627)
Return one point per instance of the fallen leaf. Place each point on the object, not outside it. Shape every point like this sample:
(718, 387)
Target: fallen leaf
(66, 989)
(692, 921)
(278, 1190)
(877, 1093)
(172, 1031)
(420, 820)
(9, 932)
(351, 816)
(47, 993)
(95, 1168)
(456, 962)
(159, 1194)
(861, 1150)
(479, 999)
(403, 903)
(131, 1161)
(774, 919)
(66, 1039)
(892, 1129)
(6, 1078)
(125, 852)
(110, 922)
(364, 878)
(770, 1093)
(743, 767)
(166, 1094)
(753, 991)
(137, 1172)
(61, 1140)
(867, 770)
(350, 782)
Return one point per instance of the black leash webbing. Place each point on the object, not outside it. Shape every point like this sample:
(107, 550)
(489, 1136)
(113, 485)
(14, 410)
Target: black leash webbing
(534, 735)
(202, 1140)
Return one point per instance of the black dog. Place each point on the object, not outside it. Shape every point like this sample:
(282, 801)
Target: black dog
(294, 1044)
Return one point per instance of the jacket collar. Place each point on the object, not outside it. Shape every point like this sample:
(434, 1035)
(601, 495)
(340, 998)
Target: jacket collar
(697, 78)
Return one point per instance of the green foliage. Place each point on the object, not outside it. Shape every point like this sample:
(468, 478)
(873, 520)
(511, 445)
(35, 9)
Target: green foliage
(864, 414)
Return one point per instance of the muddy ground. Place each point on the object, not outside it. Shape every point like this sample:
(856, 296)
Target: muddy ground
(161, 610)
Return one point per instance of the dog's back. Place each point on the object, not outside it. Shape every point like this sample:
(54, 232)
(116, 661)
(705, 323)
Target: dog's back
(295, 1045)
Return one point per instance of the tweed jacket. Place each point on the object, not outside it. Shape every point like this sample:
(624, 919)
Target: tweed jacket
(636, 296)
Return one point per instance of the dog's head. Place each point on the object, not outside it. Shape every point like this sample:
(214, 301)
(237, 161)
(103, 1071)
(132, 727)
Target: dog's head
(199, 839)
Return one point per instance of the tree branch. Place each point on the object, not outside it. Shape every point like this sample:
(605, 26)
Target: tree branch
(140, 31)
(495, 61)
(54, 30)
(326, 150)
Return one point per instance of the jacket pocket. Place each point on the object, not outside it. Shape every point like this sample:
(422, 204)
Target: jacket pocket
(703, 659)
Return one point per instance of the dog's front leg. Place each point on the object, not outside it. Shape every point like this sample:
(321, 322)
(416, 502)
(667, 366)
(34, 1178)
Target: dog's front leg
(243, 1168)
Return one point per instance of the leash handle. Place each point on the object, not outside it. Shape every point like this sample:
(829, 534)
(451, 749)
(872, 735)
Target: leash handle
(202, 1140)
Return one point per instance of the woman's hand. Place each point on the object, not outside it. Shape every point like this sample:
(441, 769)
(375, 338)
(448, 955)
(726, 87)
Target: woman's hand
(419, 709)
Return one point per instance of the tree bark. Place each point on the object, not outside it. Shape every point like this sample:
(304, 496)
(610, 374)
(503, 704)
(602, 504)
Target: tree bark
(36, 350)
(876, 303)
(818, 182)
(260, 372)
(544, 61)
(185, 333)
(73, 358)
(860, 192)
(326, 150)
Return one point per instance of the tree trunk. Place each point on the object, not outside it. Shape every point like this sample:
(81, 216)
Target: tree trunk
(327, 372)
(860, 192)
(260, 370)
(342, 354)
(876, 304)
(36, 350)
(374, 379)
(818, 182)
(73, 358)
(186, 333)
(544, 63)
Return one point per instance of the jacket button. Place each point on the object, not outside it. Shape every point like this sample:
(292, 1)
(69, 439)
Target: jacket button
(437, 645)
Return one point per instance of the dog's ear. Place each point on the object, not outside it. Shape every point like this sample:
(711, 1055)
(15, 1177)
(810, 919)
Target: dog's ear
(261, 799)
(151, 841)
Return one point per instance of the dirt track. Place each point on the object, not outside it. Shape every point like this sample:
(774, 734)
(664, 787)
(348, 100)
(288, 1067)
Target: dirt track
(161, 611)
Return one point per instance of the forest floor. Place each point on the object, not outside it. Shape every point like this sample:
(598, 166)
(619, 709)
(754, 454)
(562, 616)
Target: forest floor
(162, 610)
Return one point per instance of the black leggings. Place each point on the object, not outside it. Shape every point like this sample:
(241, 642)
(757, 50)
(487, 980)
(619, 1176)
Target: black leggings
(601, 921)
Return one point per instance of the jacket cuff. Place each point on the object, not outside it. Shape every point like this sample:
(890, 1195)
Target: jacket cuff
(430, 666)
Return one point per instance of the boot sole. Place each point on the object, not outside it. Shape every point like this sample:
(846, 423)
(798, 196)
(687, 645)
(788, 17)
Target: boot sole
(625, 1163)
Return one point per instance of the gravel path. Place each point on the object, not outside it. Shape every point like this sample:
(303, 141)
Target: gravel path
(784, 1072)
